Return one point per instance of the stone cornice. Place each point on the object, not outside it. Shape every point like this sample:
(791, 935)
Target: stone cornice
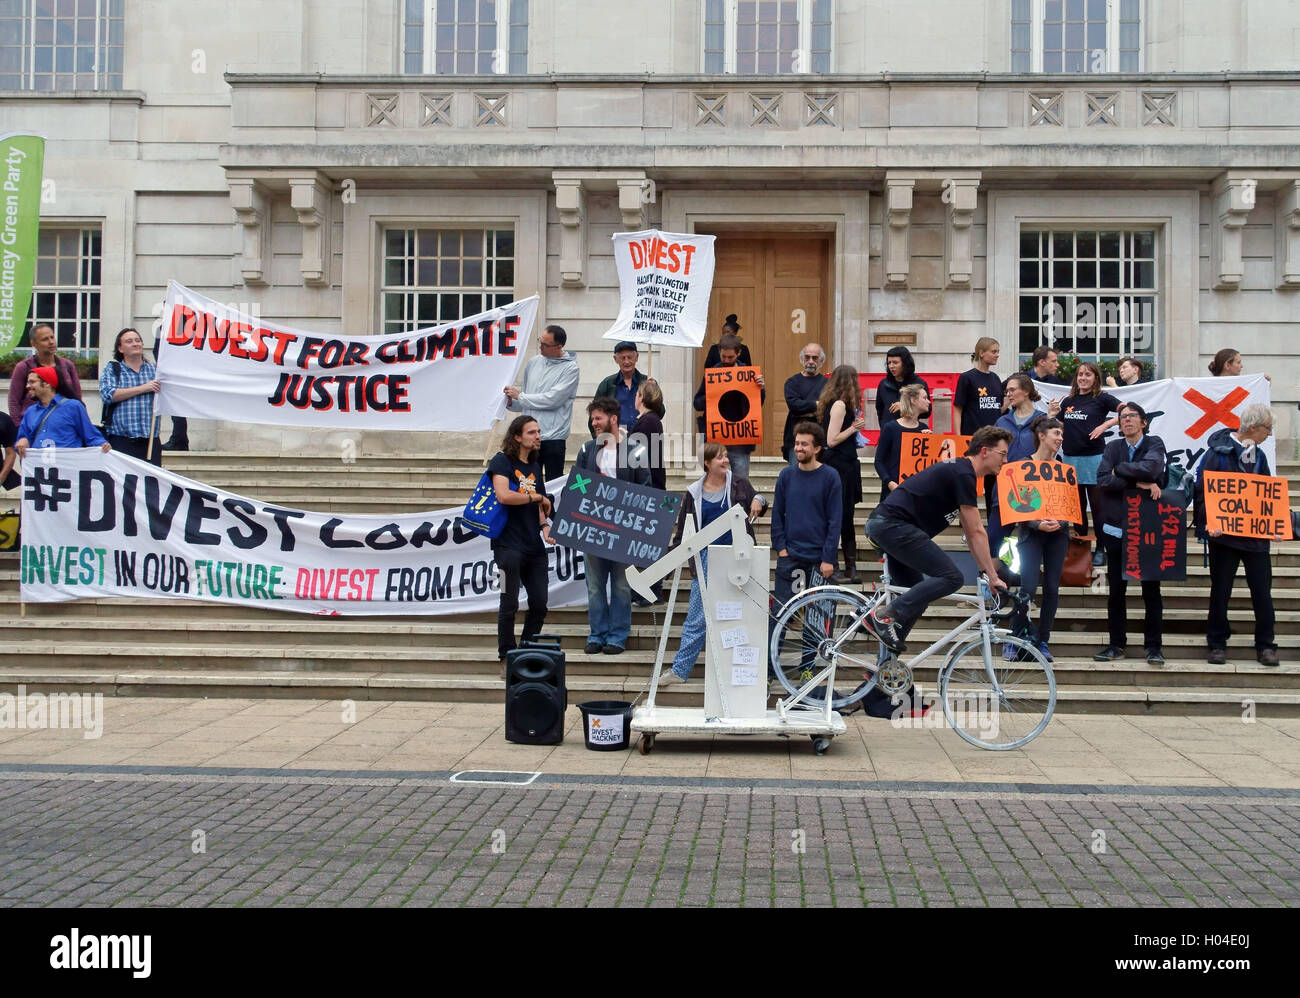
(806, 81)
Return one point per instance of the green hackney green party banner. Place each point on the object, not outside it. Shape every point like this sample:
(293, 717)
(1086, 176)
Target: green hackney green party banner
(21, 162)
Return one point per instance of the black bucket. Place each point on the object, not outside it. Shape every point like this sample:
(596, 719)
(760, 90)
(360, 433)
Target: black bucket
(606, 724)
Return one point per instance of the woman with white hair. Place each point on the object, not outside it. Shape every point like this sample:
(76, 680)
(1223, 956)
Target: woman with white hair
(1238, 451)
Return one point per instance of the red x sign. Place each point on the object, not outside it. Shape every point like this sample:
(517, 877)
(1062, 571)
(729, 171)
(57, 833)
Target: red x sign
(1215, 412)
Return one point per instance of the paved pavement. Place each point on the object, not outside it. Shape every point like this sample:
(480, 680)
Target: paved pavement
(232, 802)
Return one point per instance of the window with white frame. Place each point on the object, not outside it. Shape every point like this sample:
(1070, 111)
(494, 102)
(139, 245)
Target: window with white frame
(465, 36)
(66, 290)
(432, 276)
(61, 44)
(1076, 36)
(1089, 292)
(767, 37)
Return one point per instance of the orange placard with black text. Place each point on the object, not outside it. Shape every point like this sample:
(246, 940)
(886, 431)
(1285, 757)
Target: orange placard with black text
(1038, 490)
(733, 406)
(920, 450)
(1247, 505)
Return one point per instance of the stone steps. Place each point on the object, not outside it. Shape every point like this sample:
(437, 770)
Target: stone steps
(205, 649)
(343, 684)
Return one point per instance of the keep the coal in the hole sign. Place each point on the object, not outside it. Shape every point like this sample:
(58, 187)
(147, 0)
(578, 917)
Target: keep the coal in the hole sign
(733, 406)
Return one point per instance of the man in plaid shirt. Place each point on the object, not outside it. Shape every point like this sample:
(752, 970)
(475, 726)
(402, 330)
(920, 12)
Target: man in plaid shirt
(129, 384)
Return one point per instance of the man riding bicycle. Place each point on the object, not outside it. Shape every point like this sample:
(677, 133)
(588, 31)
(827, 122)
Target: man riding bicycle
(921, 507)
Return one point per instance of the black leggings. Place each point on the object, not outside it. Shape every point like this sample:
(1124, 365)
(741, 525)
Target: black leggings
(1089, 495)
(1042, 555)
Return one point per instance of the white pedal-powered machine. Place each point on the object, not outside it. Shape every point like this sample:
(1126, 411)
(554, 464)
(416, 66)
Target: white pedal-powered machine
(736, 647)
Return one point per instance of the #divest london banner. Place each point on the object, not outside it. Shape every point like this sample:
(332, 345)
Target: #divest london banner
(97, 525)
(215, 362)
(1185, 412)
(665, 280)
(22, 161)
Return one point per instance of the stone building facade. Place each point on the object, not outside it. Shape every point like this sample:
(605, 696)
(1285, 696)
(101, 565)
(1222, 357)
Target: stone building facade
(924, 173)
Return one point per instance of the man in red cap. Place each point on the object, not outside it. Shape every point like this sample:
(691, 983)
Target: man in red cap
(55, 421)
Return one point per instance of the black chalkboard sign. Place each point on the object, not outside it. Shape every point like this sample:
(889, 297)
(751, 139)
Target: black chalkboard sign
(616, 520)
(1155, 536)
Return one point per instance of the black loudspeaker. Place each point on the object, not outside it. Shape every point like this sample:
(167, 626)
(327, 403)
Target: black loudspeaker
(536, 695)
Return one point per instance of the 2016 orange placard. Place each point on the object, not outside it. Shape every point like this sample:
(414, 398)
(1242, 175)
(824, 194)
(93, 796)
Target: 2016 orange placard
(1247, 505)
(1038, 490)
(733, 406)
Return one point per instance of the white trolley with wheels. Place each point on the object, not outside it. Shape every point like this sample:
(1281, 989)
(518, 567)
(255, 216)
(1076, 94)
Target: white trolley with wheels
(735, 699)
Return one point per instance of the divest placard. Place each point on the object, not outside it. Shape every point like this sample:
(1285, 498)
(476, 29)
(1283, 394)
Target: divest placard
(664, 279)
(216, 362)
(98, 525)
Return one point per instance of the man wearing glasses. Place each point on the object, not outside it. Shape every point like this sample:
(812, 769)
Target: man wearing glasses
(1135, 461)
(801, 391)
(550, 384)
(904, 525)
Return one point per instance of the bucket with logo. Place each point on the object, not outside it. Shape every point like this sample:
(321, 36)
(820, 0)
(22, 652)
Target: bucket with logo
(606, 724)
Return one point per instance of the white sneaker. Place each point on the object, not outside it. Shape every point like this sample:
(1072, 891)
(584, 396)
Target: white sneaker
(670, 678)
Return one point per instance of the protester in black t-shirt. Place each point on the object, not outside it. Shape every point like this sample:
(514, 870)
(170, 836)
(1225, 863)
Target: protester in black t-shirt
(1086, 416)
(889, 448)
(921, 507)
(978, 399)
(518, 549)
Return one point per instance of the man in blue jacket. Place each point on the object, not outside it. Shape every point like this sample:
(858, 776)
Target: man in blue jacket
(1241, 452)
(54, 421)
(609, 597)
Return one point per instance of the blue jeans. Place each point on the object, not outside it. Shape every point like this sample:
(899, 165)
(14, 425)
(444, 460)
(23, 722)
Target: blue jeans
(609, 614)
(739, 461)
(693, 630)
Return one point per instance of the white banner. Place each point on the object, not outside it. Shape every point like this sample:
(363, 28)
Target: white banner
(665, 280)
(96, 525)
(215, 362)
(1185, 412)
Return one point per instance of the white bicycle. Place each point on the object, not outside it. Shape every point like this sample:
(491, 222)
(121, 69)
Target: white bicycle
(997, 690)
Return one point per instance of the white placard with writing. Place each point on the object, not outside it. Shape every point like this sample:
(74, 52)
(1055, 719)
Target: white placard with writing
(734, 636)
(729, 611)
(742, 675)
(744, 655)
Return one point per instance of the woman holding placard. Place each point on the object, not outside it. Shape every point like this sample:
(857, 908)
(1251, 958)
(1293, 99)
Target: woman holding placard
(1239, 452)
(913, 402)
(1086, 416)
(1043, 543)
(837, 411)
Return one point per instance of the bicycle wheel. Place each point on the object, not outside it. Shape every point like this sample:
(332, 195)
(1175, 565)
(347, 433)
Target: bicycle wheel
(1002, 711)
(817, 627)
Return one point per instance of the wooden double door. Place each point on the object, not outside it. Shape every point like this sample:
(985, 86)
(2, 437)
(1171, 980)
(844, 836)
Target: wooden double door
(779, 287)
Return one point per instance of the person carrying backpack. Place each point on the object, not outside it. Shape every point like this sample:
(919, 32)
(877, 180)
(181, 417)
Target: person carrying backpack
(1237, 451)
